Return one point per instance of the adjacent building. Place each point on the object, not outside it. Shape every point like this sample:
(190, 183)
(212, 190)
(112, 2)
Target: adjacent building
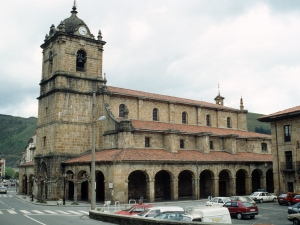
(151, 145)
(285, 130)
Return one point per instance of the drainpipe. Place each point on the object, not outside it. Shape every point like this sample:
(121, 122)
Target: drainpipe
(277, 158)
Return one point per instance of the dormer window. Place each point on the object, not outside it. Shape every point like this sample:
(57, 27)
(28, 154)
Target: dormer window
(80, 60)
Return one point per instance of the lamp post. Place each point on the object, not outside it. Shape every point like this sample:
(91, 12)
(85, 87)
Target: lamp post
(93, 188)
(64, 197)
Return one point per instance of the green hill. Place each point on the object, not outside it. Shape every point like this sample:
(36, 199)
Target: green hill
(15, 133)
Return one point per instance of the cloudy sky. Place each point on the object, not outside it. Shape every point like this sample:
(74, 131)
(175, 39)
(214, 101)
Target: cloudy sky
(182, 48)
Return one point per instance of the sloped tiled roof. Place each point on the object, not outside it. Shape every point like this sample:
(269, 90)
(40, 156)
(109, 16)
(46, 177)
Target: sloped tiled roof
(27, 164)
(128, 92)
(161, 126)
(295, 111)
(159, 155)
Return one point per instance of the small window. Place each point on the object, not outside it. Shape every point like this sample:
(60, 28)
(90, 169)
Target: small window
(50, 58)
(263, 146)
(208, 123)
(211, 145)
(184, 117)
(80, 60)
(228, 122)
(287, 133)
(44, 141)
(121, 110)
(155, 114)
(147, 142)
(46, 111)
(181, 143)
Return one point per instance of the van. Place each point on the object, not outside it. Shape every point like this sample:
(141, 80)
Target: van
(207, 214)
(151, 212)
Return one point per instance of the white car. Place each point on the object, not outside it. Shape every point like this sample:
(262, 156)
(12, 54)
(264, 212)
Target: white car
(218, 201)
(261, 197)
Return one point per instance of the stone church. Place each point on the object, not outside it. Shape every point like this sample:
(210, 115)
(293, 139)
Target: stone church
(151, 145)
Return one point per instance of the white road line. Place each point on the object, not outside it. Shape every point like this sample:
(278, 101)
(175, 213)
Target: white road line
(77, 213)
(84, 212)
(37, 211)
(35, 220)
(24, 211)
(62, 212)
(1, 212)
(51, 212)
(12, 211)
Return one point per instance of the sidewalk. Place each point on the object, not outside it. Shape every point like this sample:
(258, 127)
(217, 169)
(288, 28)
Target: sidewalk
(68, 203)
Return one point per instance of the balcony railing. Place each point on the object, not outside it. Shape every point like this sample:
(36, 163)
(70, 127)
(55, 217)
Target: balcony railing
(290, 166)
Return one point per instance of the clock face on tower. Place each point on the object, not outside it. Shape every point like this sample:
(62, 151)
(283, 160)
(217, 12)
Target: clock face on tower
(82, 30)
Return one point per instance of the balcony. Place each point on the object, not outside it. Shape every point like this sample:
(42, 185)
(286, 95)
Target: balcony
(290, 167)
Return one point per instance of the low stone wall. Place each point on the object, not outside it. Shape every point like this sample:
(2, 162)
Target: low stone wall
(133, 220)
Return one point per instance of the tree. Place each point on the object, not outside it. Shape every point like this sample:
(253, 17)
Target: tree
(9, 172)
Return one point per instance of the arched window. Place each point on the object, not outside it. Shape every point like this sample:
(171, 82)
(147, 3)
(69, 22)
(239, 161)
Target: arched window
(208, 120)
(155, 114)
(184, 117)
(121, 110)
(80, 60)
(228, 122)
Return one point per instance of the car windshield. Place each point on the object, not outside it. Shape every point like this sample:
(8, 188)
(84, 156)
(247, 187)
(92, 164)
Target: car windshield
(144, 212)
(255, 194)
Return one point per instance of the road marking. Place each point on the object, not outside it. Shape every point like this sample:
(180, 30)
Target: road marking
(35, 220)
(51, 212)
(62, 212)
(1, 212)
(38, 212)
(84, 212)
(12, 211)
(74, 212)
(24, 211)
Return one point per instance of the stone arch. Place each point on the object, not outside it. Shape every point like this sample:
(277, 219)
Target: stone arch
(185, 184)
(43, 186)
(162, 185)
(137, 184)
(83, 187)
(206, 183)
(270, 181)
(100, 186)
(255, 179)
(240, 187)
(224, 182)
(70, 186)
(30, 184)
(24, 184)
(81, 57)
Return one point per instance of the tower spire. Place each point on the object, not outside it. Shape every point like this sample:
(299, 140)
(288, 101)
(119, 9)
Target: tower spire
(241, 104)
(74, 8)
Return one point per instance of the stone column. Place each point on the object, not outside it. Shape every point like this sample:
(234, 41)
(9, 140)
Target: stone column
(215, 189)
(174, 189)
(263, 182)
(150, 190)
(232, 186)
(248, 185)
(75, 191)
(195, 182)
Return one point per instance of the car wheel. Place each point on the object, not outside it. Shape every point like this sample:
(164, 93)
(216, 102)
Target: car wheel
(274, 199)
(252, 217)
(239, 216)
(261, 200)
(296, 222)
(280, 203)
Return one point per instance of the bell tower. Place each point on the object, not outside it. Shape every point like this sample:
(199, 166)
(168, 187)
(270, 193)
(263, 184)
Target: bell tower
(71, 72)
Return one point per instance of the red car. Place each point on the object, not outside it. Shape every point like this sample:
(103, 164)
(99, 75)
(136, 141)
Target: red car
(135, 209)
(286, 199)
(296, 199)
(241, 209)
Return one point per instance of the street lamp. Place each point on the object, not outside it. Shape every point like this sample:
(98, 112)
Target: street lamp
(93, 189)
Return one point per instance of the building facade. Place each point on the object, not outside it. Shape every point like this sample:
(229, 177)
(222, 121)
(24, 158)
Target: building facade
(151, 145)
(285, 149)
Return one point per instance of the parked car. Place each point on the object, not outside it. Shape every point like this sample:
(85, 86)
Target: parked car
(218, 201)
(263, 197)
(5, 184)
(135, 209)
(296, 199)
(295, 218)
(170, 216)
(241, 210)
(153, 211)
(294, 208)
(243, 199)
(12, 184)
(286, 199)
(3, 189)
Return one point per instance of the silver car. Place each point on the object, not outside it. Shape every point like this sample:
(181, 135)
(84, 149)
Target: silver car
(218, 201)
(3, 189)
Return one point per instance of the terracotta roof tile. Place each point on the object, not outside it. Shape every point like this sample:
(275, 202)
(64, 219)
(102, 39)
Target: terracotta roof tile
(159, 155)
(161, 126)
(293, 110)
(123, 91)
